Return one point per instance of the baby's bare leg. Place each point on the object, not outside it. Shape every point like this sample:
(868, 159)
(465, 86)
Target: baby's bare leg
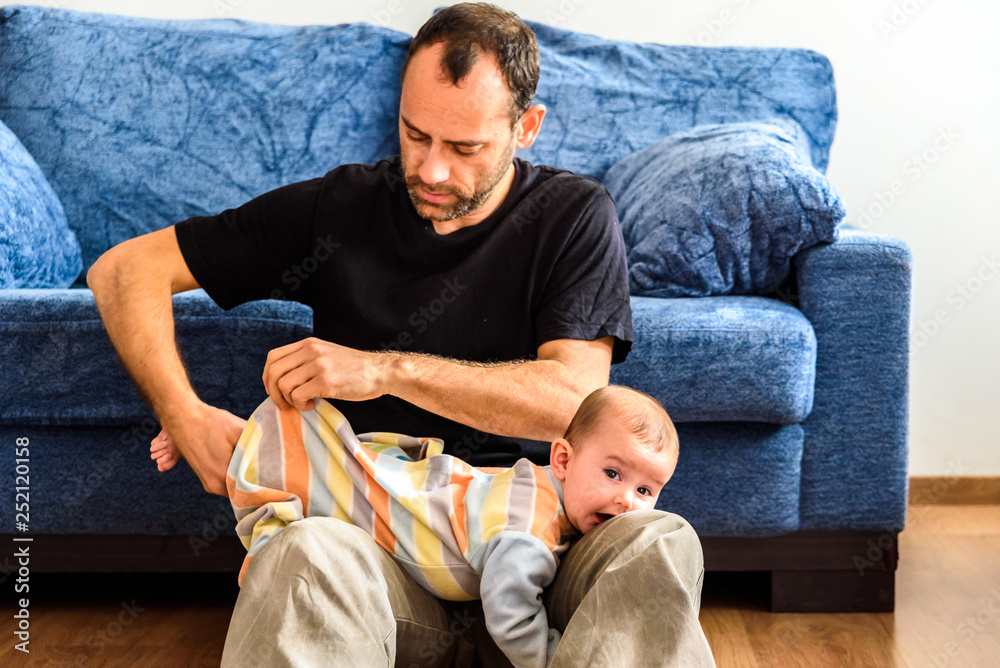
(164, 451)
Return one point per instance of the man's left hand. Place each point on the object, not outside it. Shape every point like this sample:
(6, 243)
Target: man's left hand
(298, 373)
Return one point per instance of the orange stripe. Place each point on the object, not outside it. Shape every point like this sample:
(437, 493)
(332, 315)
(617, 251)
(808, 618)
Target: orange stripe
(546, 506)
(461, 475)
(379, 499)
(296, 461)
(242, 498)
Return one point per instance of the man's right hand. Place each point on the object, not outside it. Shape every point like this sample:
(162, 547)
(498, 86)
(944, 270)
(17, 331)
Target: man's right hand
(207, 436)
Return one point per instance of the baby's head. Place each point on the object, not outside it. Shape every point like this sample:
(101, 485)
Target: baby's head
(617, 454)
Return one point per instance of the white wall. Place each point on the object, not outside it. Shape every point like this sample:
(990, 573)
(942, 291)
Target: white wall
(917, 94)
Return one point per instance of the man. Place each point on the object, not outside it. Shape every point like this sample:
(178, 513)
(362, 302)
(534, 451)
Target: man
(468, 295)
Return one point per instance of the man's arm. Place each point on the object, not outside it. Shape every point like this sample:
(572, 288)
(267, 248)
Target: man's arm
(533, 399)
(133, 285)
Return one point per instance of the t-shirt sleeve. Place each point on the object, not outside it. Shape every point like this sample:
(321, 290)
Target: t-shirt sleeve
(587, 295)
(252, 252)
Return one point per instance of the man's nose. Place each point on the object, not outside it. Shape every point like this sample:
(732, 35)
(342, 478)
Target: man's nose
(435, 168)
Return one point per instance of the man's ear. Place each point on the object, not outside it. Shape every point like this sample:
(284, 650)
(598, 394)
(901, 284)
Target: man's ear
(529, 125)
(559, 457)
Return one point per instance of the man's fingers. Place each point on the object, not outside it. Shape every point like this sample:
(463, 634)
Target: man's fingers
(302, 396)
(290, 385)
(278, 363)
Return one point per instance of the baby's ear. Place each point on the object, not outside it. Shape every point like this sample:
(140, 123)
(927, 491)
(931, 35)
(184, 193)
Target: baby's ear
(559, 457)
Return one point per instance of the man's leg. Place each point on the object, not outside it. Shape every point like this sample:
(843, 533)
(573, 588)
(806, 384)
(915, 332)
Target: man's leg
(323, 593)
(628, 594)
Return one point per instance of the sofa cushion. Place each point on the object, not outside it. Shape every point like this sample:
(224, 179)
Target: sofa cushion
(737, 478)
(100, 480)
(37, 248)
(141, 123)
(721, 209)
(607, 99)
(60, 368)
(722, 359)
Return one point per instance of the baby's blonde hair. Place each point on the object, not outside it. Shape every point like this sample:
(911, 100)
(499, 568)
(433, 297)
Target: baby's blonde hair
(641, 414)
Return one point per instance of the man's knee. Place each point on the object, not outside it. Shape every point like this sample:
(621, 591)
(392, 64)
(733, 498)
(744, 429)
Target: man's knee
(641, 528)
(669, 534)
(664, 521)
(644, 539)
(320, 541)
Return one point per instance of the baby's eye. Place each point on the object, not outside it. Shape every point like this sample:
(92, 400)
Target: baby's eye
(645, 491)
(611, 473)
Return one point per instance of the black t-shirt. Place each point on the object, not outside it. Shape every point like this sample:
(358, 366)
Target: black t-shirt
(548, 264)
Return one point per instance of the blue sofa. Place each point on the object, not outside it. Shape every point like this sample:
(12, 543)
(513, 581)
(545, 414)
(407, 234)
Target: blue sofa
(791, 406)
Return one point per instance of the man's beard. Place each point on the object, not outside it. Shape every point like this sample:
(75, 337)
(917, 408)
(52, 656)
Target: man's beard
(466, 204)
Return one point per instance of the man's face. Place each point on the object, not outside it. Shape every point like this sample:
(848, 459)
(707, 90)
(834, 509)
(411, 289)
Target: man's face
(456, 142)
(610, 472)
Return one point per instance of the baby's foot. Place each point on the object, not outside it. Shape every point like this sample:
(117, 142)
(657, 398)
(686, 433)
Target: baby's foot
(164, 451)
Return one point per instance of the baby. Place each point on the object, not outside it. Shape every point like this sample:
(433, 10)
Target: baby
(462, 532)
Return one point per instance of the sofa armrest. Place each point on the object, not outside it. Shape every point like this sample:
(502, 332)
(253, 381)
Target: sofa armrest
(857, 294)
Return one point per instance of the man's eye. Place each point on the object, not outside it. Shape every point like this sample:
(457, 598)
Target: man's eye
(418, 139)
(611, 473)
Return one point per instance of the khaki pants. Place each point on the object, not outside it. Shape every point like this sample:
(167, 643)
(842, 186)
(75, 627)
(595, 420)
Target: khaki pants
(323, 593)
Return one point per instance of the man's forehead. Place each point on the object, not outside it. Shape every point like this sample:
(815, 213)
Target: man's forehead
(480, 97)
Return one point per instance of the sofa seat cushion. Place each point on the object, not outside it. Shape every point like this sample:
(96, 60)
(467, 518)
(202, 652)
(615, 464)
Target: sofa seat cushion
(737, 478)
(722, 359)
(60, 368)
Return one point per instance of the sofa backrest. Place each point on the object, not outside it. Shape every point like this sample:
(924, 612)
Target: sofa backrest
(607, 99)
(141, 123)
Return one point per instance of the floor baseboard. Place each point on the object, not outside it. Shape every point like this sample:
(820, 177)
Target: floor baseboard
(954, 490)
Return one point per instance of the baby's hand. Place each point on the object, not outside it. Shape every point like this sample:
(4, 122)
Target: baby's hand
(164, 451)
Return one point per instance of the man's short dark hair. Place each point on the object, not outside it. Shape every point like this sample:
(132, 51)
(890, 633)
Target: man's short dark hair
(469, 29)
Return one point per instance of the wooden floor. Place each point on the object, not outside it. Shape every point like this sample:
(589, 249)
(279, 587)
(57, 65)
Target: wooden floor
(947, 612)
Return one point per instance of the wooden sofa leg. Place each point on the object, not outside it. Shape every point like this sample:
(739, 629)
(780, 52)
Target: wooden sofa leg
(833, 591)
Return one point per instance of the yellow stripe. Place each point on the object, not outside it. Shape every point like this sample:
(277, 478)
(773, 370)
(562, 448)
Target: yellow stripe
(494, 515)
(337, 479)
(250, 448)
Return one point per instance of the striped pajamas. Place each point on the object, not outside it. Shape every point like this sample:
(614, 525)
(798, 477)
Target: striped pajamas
(460, 532)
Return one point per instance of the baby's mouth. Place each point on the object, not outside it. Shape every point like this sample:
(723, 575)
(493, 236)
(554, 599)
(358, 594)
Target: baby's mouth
(601, 517)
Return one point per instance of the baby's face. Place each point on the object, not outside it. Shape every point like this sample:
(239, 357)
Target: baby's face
(609, 473)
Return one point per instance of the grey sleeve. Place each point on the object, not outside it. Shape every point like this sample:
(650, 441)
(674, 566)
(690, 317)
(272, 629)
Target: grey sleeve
(515, 567)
